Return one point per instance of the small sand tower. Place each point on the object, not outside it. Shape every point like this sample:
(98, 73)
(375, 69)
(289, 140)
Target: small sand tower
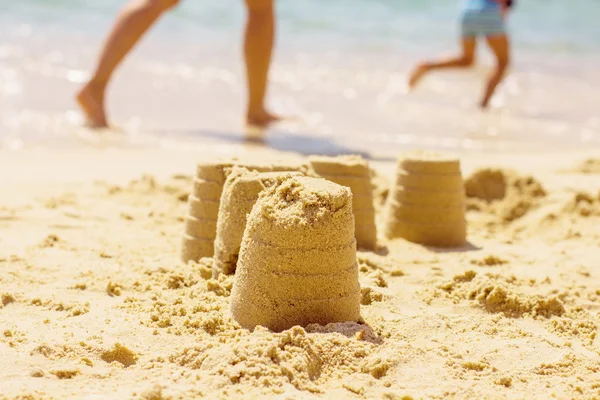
(297, 262)
(353, 172)
(240, 192)
(203, 203)
(203, 210)
(426, 204)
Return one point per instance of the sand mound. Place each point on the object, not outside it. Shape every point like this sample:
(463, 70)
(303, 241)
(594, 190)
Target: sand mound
(353, 172)
(574, 217)
(589, 166)
(584, 204)
(502, 193)
(497, 295)
(426, 204)
(120, 354)
(299, 357)
(240, 192)
(297, 261)
(6, 299)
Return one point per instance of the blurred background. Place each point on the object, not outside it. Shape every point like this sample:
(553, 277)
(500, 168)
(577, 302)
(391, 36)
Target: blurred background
(339, 66)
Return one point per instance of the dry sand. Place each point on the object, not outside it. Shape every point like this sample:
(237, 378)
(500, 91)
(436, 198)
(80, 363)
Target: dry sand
(95, 304)
(206, 189)
(353, 171)
(426, 204)
(298, 262)
(240, 192)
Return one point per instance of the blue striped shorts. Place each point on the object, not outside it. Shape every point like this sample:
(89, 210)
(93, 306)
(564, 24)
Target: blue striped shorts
(482, 22)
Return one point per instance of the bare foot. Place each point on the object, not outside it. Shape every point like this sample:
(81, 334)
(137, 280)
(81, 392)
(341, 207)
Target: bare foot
(262, 118)
(91, 101)
(416, 75)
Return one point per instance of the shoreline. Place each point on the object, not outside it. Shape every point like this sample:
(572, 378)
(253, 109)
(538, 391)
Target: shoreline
(349, 96)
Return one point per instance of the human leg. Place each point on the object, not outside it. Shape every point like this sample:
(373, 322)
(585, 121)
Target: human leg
(133, 21)
(499, 45)
(463, 60)
(258, 46)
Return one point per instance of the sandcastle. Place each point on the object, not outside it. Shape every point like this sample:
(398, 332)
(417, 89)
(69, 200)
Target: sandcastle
(353, 172)
(240, 192)
(203, 202)
(426, 204)
(297, 262)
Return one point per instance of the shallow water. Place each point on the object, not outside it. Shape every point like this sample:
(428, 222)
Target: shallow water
(339, 68)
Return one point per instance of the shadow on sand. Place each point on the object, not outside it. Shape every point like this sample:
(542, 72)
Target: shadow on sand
(462, 249)
(360, 330)
(302, 143)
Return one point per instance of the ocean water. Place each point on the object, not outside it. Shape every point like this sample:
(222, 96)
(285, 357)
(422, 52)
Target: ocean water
(339, 67)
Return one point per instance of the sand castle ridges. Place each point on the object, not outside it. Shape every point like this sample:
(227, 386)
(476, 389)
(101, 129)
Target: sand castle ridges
(204, 199)
(353, 172)
(297, 262)
(426, 204)
(240, 192)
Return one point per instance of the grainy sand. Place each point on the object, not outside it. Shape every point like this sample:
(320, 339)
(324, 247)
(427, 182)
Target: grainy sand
(240, 193)
(95, 303)
(298, 263)
(426, 203)
(353, 172)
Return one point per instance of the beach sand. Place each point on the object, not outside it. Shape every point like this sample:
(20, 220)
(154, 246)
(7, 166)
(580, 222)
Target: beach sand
(95, 303)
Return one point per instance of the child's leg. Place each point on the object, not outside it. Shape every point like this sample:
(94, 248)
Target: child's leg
(500, 46)
(463, 60)
(133, 21)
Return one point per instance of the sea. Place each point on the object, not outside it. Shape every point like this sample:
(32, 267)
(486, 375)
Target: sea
(338, 71)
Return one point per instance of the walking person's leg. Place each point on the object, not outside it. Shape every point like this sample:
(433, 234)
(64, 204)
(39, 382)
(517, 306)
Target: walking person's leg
(463, 60)
(133, 21)
(499, 45)
(259, 38)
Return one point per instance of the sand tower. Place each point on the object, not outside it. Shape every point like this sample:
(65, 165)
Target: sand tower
(353, 172)
(426, 204)
(203, 202)
(240, 192)
(297, 262)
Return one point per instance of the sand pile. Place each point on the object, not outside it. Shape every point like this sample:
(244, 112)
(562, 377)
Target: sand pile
(426, 204)
(589, 166)
(297, 261)
(203, 209)
(584, 204)
(353, 172)
(502, 193)
(573, 216)
(299, 358)
(497, 295)
(240, 192)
